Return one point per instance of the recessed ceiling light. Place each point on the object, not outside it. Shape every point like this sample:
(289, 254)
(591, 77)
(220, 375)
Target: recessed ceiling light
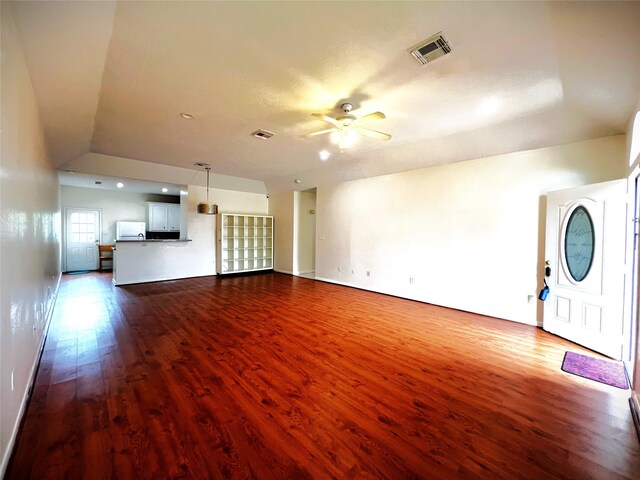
(186, 115)
(324, 155)
(119, 184)
(297, 180)
(165, 189)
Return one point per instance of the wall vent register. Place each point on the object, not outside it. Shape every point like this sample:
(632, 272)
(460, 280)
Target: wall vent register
(245, 243)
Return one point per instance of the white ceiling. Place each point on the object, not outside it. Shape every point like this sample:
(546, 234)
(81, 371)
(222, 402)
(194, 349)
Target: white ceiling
(112, 78)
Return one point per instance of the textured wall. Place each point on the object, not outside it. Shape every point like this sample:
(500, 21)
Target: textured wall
(305, 232)
(29, 234)
(281, 207)
(469, 234)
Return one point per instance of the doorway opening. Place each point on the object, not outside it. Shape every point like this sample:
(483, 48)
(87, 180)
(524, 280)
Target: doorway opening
(304, 247)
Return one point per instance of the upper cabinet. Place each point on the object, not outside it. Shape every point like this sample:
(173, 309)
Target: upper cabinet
(163, 217)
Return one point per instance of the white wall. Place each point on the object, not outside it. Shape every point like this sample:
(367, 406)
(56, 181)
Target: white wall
(282, 209)
(115, 205)
(29, 237)
(201, 228)
(305, 232)
(469, 233)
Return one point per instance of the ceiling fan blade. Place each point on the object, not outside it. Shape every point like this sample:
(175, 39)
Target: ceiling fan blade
(372, 116)
(322, 132)
(332, 121)
(373, 134)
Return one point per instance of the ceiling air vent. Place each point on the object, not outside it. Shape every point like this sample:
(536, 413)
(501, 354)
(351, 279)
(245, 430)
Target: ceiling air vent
(432, 48)
(263, 134)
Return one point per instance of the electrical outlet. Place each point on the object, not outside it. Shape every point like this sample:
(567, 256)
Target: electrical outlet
(368, 273)
(411, 280)
(339, 269)
(353, 271)
(530, 298)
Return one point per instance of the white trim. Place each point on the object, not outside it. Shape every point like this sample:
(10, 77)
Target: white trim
(163, 278)
(634, 403)
(32, 378)
(304, 272)
(63, 260)
(382, 292)
(283, 271)
(630, 307)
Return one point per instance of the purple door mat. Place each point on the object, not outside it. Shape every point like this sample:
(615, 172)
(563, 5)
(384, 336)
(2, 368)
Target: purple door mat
(604, 371)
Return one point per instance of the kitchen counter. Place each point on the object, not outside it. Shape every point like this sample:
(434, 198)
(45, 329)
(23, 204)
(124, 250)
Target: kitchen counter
(139, 261)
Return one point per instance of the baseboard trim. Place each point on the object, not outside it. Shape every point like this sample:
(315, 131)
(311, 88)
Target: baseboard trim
(350, 285)
(282, 271)
(26, 399)
(634, 403)
(412, 299)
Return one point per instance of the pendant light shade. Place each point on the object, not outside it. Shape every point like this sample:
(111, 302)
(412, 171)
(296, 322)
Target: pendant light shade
(207, 208)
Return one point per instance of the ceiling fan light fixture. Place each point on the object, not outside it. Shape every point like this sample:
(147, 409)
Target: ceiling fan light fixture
(336, 136)
(347, 127)
(348, 139)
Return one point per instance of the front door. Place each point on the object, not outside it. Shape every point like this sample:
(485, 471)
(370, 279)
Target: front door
(585, 250)
(82, 236)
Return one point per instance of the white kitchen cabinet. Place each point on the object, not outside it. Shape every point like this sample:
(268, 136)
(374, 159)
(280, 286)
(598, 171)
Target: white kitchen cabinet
(173, 217)
(163, 217)
(245, 243)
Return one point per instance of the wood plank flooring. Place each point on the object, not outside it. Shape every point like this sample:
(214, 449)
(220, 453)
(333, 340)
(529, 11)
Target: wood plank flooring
(276, 377)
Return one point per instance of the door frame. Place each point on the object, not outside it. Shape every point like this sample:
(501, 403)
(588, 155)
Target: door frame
(632, 287)
(64, 231)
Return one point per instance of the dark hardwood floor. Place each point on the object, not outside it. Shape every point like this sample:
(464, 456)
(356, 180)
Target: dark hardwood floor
(273, 377)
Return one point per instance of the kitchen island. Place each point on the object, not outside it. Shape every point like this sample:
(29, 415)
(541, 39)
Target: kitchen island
(156, 260)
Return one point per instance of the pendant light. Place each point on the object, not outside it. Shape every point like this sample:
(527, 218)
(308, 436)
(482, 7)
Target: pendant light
(207, 208)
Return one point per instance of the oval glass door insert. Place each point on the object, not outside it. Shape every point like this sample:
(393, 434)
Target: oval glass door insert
(578, 243)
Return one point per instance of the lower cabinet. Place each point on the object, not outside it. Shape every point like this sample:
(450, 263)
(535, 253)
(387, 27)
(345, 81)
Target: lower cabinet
(245, 243)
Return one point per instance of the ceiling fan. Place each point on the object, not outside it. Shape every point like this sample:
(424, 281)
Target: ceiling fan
(346, 126)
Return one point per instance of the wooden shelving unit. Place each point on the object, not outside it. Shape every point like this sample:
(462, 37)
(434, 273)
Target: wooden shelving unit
(245, 243)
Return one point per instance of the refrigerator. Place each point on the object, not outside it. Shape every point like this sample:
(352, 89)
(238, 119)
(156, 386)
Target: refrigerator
(131, 230)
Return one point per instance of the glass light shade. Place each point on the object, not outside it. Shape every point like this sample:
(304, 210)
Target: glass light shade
(348, 139)
(336, 137)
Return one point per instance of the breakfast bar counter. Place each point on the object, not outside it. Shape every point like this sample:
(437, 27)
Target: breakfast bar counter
(136, 261)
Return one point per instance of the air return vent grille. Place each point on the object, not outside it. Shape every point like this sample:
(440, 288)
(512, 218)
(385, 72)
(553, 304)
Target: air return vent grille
(432, 48)
(263, 134)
